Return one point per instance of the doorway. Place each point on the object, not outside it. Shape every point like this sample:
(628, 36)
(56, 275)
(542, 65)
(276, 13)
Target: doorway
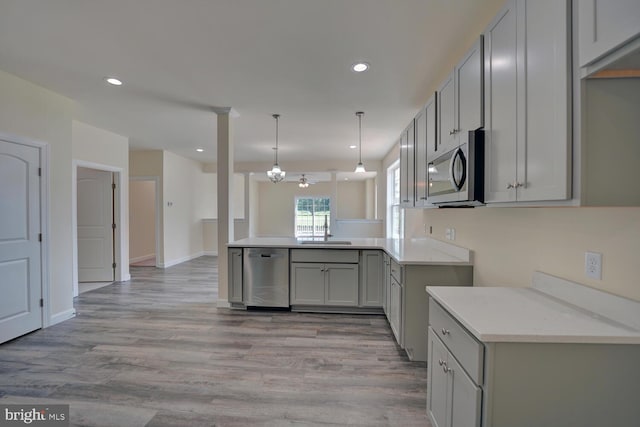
(144, 222)
(95, 228)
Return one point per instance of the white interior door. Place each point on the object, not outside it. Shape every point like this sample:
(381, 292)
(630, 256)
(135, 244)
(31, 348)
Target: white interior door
(20, 256)
(95, 225)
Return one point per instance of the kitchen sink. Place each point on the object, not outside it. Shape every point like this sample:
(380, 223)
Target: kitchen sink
(322, 242)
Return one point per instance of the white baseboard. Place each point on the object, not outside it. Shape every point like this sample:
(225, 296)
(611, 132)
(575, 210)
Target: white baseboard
(181, 260)
(62, 316)
(141, 258)
(211, 253)
(126, 278)
(223, 303)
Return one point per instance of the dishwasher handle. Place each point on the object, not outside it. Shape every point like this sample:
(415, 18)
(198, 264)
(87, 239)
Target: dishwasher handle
(266, 256)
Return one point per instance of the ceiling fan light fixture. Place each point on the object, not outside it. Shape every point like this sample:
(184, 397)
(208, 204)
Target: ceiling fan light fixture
(276, 174)
(360, 166)
(304, 182)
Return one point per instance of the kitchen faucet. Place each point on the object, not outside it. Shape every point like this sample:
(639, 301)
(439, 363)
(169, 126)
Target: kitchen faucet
(326, 229)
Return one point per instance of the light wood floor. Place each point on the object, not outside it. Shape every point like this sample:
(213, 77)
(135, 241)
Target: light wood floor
(155, 351)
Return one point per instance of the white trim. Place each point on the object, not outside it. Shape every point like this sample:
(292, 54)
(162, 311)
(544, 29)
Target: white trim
(158, 207)
(122, 266)
(62, 316)
(45, 219)
(141, 258)
(181, 260)
(223, 303)
(211, 253)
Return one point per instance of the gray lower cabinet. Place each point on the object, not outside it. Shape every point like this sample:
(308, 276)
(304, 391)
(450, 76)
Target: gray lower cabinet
(526, 384)
(454, 399)
(329, 284)
(371, 278)
(395, 310)
(386, 282)
(235, 275)
(408, 303)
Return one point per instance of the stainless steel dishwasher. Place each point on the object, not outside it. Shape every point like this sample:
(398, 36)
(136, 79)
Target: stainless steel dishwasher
(265, 278)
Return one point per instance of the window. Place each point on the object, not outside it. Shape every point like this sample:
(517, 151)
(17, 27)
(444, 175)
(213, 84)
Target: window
(311, 215)
(395, 223)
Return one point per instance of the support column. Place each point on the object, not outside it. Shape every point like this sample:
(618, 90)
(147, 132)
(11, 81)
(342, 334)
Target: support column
(225, 199)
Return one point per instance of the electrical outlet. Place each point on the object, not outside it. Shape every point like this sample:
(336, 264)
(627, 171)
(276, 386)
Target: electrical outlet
(593, 265)
(450, 233)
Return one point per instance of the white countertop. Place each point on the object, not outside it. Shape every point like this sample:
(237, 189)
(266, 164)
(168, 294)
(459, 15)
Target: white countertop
(405, 251)
(502, 314)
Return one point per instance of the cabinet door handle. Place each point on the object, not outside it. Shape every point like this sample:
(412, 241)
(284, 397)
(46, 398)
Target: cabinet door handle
(510, 186)
(445, 368)
(454, 131)
(440, 362)
(445, 331)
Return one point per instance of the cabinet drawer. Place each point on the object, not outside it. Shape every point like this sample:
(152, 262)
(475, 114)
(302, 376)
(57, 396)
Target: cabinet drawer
(396, 271)
(349, 256)
(464, 347)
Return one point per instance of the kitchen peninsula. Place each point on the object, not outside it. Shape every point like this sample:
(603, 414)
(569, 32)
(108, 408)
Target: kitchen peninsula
(359, 275)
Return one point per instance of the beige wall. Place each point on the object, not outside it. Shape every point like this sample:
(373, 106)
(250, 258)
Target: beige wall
(32, 112)
(142, 218)
(149, 163)
(510, 243)
(352, 200)
(277, 205)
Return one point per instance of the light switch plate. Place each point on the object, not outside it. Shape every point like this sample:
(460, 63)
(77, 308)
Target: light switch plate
(593, 265)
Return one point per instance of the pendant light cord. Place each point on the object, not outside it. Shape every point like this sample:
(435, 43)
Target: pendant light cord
(276, 116)
(360, 137)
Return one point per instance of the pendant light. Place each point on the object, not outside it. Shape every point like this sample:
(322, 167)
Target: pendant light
(360, 167)
(276, 174)
(304, 182)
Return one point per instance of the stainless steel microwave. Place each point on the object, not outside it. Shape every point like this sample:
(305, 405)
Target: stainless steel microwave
(456, 178)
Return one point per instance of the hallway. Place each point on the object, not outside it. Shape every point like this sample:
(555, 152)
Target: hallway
(156, 351)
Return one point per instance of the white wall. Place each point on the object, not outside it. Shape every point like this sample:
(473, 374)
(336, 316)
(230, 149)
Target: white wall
(183, 208)
(142, 217)
(35, 113)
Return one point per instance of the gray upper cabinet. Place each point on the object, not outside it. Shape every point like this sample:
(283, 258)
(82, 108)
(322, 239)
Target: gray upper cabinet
(407, 166)
(604, 25)
(527, 102)
(469, 92)
(460, 99)
(447, 126)
(424, 149)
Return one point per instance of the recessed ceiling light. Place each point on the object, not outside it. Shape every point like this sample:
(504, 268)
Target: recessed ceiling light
(360, 67)
(200, 150)
(353, 146)
(113, 81)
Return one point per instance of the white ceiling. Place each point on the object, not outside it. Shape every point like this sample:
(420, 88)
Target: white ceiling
(181, 58)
